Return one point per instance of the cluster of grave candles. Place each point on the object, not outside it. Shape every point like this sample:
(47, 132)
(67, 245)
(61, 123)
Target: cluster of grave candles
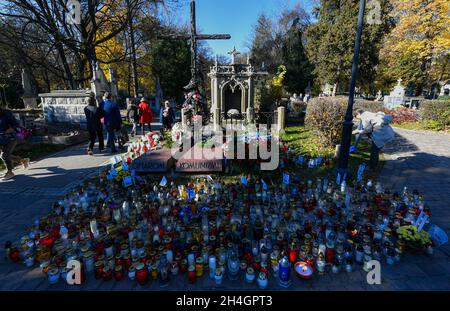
(206, 228)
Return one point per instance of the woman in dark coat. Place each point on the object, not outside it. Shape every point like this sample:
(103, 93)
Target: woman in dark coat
(167, 116)
(94, 125)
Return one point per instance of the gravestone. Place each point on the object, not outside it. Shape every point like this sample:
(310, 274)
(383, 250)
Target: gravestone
(327, 89)
(29, 97)
(153, 161)
(189, 163)
(445, 89)
(396, 97)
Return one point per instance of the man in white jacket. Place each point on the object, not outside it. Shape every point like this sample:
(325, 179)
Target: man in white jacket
(376, 127)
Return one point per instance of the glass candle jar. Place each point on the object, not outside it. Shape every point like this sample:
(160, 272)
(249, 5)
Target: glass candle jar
(183, 266)
(141, 274)
(284, 272)
(218, 276)
(199, 267)
(250, 275)
(154, 270)
(88, 261)
(191, 274)
(98, 269)
(321, 263)
(262, 281)
(118, 273)
(212, 266)
(131, 272)
(53, 275)
(174, 268)
(107, 274)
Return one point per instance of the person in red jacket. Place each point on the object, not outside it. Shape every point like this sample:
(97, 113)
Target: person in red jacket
(146, 115)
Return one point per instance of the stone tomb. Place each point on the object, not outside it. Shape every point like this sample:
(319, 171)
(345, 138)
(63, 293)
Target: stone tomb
(64, 106)
(157, 161)
(189, 163)
(233, 89)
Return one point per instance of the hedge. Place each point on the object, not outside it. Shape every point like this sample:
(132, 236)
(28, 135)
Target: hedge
(436, 114)
(326, 116)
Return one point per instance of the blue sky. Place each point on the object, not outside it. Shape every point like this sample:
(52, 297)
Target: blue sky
(235, 17)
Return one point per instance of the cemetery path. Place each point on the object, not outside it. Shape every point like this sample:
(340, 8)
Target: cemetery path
(417, 160)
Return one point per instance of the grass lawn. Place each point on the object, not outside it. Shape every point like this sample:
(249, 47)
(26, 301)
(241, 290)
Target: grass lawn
(303, 141)
(36, 152)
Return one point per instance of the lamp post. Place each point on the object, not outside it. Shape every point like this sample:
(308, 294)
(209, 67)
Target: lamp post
(348, 123)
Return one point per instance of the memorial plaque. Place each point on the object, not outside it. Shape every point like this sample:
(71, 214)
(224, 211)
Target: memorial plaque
(153, 162)
(190, 164)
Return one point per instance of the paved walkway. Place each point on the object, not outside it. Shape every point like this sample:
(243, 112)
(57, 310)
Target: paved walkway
(417, 160)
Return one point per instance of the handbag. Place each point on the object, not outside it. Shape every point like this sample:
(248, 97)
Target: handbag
(22, 133)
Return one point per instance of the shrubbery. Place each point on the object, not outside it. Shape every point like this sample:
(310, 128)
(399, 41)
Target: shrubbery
(368, 105)
(402, 115)
(436, 114)
(325, 116)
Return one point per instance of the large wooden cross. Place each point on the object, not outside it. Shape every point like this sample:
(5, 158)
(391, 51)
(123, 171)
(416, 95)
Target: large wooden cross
(193, 37)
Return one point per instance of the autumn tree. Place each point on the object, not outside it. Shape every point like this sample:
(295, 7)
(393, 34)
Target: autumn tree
(418, 48)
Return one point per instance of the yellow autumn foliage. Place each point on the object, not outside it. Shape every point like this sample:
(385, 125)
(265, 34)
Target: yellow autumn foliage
(422, 32)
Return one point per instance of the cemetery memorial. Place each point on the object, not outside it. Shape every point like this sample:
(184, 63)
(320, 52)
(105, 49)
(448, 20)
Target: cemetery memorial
(161, 216)
(150, 229)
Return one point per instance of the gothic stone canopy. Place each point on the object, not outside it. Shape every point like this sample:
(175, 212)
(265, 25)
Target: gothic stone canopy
(232, 86)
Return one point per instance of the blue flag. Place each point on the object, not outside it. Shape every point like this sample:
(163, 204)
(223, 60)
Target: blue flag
(191, 194)
(244, 180)
(113, 173)
(361, 169)
(264, 184)
(127, 181)
(163, 182)
(285, 178)
(421, 220)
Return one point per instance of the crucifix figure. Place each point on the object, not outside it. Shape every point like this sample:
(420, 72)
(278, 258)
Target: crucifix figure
(193, 38)
(233, 54)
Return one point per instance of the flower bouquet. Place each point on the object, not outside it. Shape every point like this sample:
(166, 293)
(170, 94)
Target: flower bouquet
(414, 240)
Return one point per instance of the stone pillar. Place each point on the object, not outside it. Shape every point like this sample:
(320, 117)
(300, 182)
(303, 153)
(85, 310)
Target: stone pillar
(250, 115)
(281, 119)
(217, 119)
(183, 119)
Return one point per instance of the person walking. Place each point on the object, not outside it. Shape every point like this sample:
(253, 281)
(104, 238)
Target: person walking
(146, 115)
(94, 125)
(8, 141)
(133, 116)
(376, 127)
(167, 116)
(112, 119)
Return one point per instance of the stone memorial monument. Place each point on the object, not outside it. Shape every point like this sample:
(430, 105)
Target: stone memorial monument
(29, 97)
(396, 97)
(233, 88)
(67, 106)
(445, 88)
